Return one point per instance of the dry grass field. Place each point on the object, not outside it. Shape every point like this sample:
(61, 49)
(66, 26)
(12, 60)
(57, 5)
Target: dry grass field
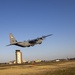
(57, 68)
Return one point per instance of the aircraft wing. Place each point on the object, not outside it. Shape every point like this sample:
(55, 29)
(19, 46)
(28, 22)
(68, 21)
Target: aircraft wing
(40, 38)
(45, 36)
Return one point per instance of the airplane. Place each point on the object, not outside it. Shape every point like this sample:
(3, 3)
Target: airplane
(28, 43)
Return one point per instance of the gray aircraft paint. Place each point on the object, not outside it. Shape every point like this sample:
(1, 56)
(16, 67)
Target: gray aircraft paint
(29, 43)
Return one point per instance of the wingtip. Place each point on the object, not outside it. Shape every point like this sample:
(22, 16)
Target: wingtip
(51, 34)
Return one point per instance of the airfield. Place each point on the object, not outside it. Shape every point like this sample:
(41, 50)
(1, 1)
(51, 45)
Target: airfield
(43, 68)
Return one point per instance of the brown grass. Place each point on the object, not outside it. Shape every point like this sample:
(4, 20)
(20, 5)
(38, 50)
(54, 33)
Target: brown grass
(34, 69)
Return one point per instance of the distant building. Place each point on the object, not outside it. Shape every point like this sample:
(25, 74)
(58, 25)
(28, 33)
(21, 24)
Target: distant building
(18, 57)
(57, 60)
(37, 60)
(14, 62)
(24, 61)
(10, 62)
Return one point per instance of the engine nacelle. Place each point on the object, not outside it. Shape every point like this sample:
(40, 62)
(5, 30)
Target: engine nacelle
(39, 42)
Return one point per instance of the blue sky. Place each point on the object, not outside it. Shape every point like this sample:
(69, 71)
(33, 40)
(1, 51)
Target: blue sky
(29, 19)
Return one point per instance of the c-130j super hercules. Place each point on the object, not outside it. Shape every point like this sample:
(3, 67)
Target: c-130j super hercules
(28, 43)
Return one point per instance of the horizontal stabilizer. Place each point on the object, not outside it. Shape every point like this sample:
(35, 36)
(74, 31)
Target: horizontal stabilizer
(12, 44)
(9, 45)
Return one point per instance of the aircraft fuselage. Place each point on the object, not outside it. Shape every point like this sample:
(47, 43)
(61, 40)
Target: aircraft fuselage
(27, 44)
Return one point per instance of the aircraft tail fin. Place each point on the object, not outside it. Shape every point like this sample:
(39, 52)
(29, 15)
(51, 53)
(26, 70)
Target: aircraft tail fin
(12, 39)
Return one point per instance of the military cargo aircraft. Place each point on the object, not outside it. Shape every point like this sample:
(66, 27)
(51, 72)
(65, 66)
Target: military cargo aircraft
(28, 43)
